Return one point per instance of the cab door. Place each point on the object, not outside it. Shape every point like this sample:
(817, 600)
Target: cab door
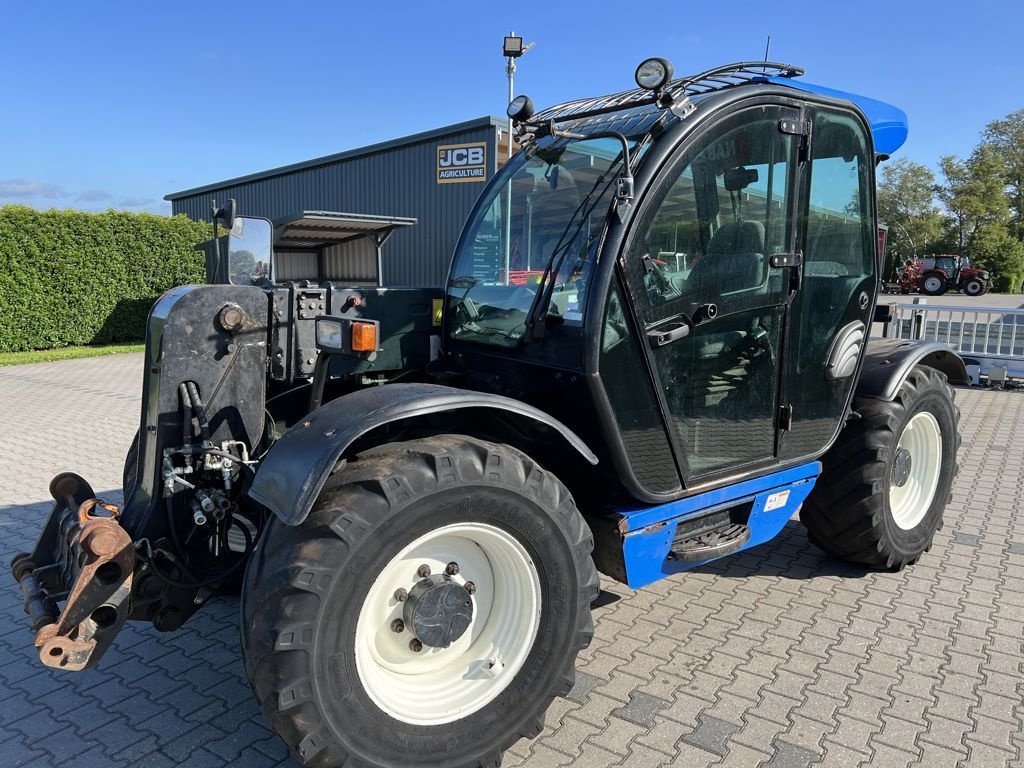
(831, 313)
(707, 269)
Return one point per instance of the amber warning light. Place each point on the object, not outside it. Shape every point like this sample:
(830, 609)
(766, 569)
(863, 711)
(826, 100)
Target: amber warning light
(364, 337)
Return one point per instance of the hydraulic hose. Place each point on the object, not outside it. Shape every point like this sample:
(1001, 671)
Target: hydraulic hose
(198, 409)
(250, 545)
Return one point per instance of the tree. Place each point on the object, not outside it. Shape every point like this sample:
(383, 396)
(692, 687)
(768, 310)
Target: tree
(1005, 139)
(973, 196)
(995, 248)
(906, 203)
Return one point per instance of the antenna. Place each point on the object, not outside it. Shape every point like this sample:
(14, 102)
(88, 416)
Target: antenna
(767, 46)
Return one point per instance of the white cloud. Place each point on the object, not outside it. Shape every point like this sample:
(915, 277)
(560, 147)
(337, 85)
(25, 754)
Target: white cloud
(26, 188)
(135, 202)
(94, 196)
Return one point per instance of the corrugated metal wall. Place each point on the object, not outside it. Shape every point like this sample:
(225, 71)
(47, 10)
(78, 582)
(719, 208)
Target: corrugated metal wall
(399, 181)
(355, 261)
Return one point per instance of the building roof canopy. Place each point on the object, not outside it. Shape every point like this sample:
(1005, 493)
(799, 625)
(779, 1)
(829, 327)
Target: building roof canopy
(316, 229)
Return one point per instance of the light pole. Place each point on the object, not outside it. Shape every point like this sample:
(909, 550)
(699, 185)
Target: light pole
(512, 48)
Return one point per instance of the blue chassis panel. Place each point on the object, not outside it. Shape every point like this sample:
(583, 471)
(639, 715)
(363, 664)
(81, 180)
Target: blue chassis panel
(648, 531)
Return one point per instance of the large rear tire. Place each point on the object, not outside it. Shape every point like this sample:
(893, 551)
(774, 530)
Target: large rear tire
(351, 672)
(934, 284)
(886, 482)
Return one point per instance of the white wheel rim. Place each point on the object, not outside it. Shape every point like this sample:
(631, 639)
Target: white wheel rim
(909, 502)
(440, 685)
(933, 284)
(973, 288)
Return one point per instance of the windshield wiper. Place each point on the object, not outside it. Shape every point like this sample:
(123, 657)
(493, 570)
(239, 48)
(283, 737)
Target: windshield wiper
(557, 257)
(623, 197)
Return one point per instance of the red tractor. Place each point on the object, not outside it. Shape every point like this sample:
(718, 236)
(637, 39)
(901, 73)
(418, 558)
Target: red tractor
(941, 273)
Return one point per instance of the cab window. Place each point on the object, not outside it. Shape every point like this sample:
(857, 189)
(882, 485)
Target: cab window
(710, 237)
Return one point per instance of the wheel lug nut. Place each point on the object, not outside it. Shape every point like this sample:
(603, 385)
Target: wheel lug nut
(415, 645)
(401, 595)
(398, 625)
(423, 571)
(470, 587)
(451, 569)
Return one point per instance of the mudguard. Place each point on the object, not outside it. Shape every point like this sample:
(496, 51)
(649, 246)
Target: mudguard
(291, 476)
(888, 362)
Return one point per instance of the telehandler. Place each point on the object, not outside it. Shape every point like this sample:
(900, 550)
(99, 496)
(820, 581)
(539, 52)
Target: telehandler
(651, 351)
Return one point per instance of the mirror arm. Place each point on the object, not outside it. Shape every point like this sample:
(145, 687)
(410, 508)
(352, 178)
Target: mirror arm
(218, 267)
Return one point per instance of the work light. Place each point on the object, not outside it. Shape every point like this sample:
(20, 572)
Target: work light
(653, 74)
(513, 47)
(520, 108)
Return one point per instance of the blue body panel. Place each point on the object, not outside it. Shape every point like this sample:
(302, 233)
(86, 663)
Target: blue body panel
(888, 123)
(648, 531)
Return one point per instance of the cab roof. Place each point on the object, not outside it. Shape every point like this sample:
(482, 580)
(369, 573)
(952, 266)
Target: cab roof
(638, 106)
(888, 123)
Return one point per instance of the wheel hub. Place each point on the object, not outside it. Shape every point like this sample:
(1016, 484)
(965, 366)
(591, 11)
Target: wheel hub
(438, 610)
(901, 468)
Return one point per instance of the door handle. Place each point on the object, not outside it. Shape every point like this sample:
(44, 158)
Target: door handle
(659, 337)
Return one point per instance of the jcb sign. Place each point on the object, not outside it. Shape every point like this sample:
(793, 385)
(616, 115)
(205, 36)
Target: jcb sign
(461, 162)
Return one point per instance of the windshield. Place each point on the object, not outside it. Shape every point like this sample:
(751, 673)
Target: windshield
(545, 210)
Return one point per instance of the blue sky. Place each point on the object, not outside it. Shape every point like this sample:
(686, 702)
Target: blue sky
(115, 104)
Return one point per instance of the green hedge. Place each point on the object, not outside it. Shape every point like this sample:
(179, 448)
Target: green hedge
(1007, 283)
(70, 277)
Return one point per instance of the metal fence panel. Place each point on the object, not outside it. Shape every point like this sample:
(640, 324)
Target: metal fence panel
(985, 336)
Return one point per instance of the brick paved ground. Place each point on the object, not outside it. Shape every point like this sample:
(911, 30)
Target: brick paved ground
(777, 657)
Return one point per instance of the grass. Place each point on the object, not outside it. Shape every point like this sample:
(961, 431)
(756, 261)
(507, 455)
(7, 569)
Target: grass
(66, 353)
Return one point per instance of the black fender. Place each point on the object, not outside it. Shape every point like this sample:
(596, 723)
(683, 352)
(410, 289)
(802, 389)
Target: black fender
(888, 362)
(292, 474)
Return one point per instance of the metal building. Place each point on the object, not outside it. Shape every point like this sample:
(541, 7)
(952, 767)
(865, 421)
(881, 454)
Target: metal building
(433, 177)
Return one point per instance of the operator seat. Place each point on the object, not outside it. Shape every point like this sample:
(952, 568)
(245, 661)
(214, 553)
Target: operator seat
(734, 260)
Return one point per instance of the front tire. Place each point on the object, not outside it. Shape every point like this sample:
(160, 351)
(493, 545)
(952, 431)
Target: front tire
(886, 482)
(344, 684)
(974, 287)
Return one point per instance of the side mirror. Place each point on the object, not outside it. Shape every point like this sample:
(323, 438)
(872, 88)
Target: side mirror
(226, 213)
(249, 251)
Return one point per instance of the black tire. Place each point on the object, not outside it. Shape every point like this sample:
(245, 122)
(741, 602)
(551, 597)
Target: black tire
(848, 513)
(935, 291)
(974, 287)
(131, 466)
(305, 586)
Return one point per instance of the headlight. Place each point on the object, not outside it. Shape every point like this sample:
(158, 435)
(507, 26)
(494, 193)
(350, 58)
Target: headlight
(328, 334)
(653, 74)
